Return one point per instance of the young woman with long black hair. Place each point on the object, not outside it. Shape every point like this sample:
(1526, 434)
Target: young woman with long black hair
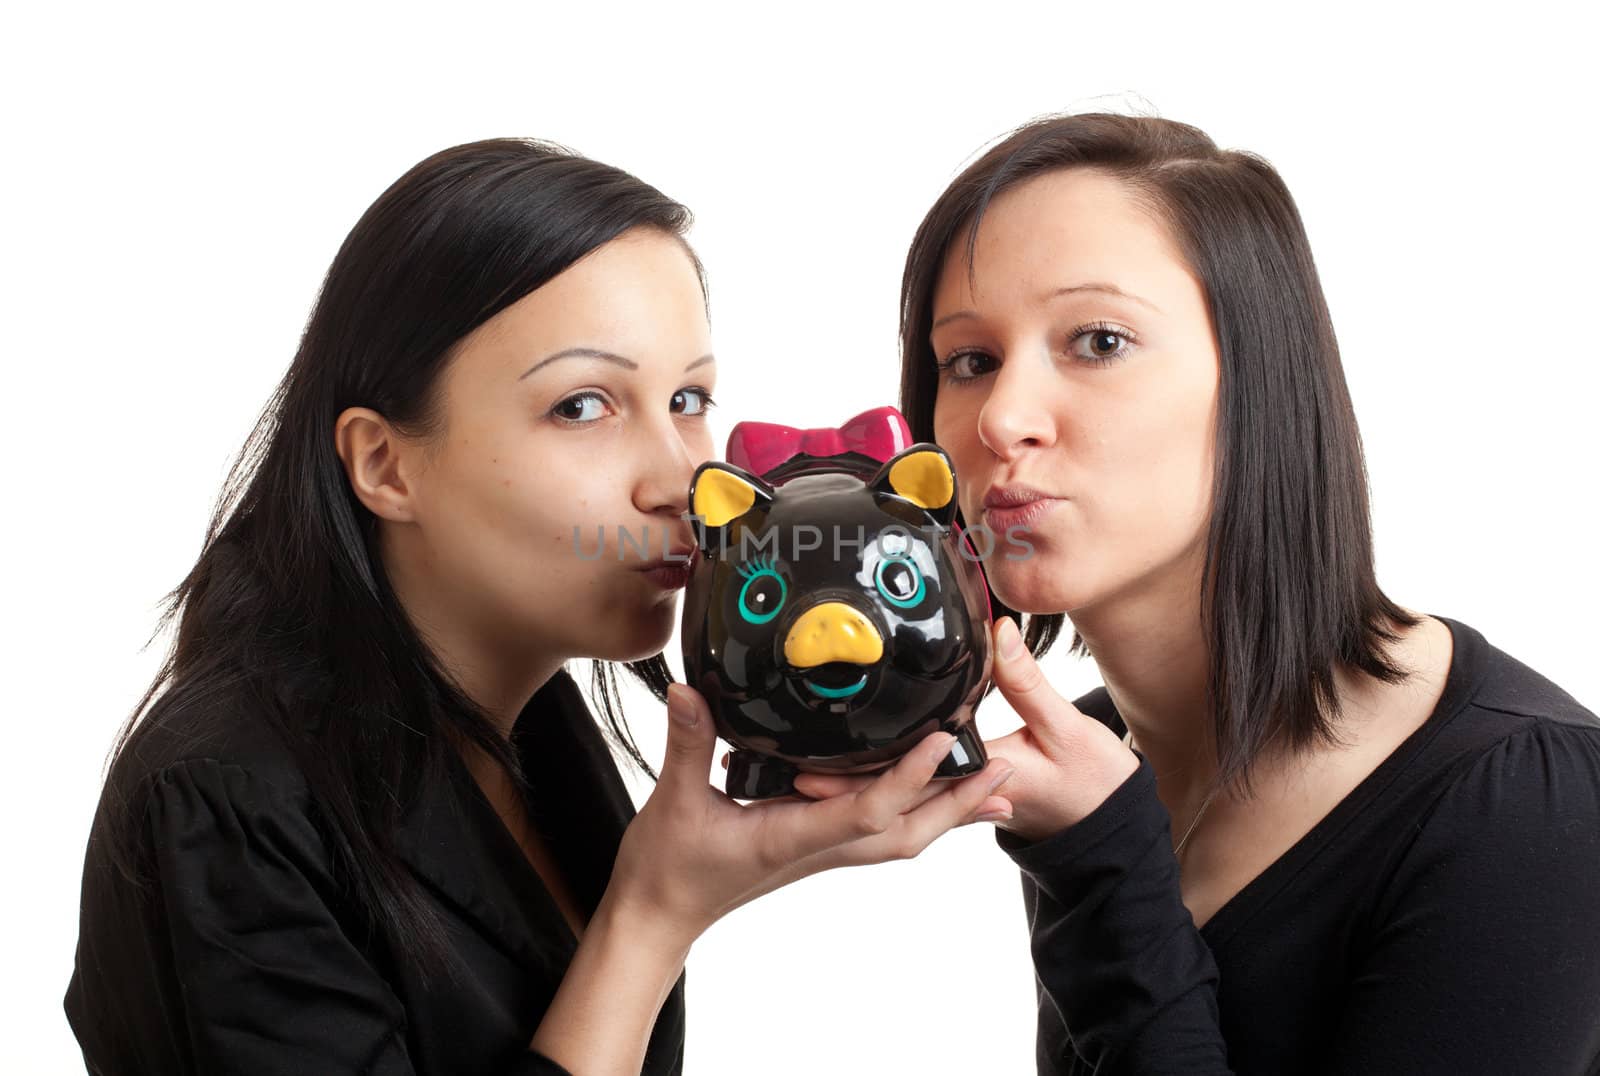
(363, 821)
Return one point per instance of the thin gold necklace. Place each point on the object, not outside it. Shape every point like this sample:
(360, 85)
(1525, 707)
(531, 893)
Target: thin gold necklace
(1177, 850)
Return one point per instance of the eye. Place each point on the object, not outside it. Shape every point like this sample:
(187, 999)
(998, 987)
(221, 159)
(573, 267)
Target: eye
(966, 365)
(899, 581)
(577, 408)
(1100, 343)
(694, 401)
(762, 596)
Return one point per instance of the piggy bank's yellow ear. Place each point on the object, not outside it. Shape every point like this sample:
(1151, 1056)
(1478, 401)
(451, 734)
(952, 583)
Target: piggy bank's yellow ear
(721, 492)
(923, 475)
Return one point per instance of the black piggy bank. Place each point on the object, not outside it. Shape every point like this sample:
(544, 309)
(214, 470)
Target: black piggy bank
(835, 614)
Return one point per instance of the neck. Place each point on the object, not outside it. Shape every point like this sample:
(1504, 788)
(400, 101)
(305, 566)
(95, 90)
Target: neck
(1150, 649)
(1155, 669)
(498, 668)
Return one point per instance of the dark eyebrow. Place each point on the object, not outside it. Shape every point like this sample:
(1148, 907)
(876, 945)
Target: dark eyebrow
(1108, 289)
(607, 356)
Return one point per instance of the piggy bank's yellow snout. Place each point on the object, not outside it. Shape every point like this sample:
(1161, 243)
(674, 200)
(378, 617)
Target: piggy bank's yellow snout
(832, 631)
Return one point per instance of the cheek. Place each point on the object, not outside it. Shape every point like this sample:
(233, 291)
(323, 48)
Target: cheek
(1157, 473)
(1191, 452)
(955, 429)
(510, 522)
(565, 531)
(699, 444)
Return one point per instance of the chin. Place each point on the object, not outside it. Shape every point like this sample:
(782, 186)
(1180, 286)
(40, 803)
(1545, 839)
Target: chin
(629, 651)
(651, 633)
(1038, 585)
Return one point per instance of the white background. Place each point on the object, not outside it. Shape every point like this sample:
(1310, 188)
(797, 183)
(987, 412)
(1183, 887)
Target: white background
(177, 181)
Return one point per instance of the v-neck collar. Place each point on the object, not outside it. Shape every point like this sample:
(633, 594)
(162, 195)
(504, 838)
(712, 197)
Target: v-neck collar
(456, 841)
(1461, 684)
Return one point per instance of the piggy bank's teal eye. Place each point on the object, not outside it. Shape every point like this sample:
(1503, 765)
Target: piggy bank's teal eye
(899, 582)
(762, 596)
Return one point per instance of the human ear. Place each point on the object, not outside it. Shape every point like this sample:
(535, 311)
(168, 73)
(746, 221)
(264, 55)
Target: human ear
(376, 463)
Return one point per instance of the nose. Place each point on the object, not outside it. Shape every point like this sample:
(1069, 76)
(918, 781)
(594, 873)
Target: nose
(832, 631)
(663, 486)
(1016, 415)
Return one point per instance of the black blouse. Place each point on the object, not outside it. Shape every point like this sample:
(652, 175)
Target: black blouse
(1443, 918)
(247, 960)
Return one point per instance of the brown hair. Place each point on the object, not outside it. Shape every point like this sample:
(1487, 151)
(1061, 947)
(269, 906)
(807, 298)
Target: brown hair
(1289, 588)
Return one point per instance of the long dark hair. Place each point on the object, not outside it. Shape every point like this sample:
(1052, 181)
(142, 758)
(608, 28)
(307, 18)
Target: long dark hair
(1289, 590)
(289, 599)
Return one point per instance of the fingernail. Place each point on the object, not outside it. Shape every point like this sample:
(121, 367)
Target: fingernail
(941, 747)
(680, 709)
(995, 816)
(1010, 639)
(1000, 778)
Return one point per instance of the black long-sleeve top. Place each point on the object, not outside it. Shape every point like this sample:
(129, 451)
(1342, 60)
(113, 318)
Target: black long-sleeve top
(1442, 918)
(248, 960)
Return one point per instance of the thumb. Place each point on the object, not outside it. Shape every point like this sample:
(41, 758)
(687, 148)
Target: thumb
(691, 737)
(1022, 683)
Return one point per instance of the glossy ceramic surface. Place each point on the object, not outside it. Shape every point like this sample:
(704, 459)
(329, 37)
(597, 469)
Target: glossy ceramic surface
(835, 614)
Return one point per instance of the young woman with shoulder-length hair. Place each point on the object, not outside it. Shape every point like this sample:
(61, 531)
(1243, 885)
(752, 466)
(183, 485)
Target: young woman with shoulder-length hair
(1301, 828)
(364, 821)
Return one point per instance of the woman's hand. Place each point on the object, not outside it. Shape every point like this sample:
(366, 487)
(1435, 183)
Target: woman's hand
(1066, 762)
(693, 854)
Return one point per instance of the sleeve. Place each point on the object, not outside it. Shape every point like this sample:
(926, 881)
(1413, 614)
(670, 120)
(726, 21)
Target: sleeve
(1483, 955)
(1120, 963)
(268, 979)
(1485, 951)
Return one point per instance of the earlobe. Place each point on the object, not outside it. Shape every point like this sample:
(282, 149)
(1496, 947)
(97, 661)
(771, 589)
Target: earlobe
(373, 463)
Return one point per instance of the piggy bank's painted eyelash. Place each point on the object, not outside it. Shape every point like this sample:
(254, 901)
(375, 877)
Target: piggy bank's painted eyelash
(767, 563)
